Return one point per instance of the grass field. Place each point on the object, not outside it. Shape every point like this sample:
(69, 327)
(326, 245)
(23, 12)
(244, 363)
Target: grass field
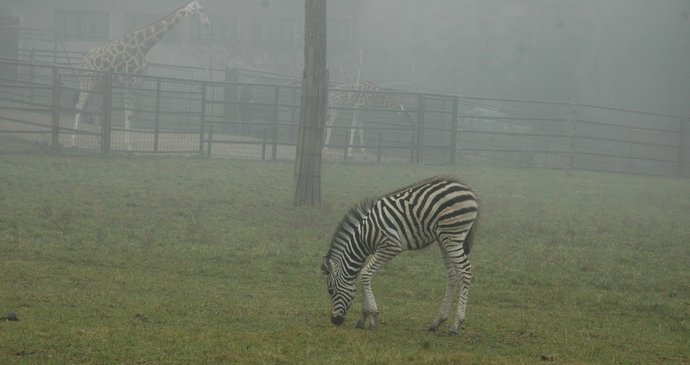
(171, 260)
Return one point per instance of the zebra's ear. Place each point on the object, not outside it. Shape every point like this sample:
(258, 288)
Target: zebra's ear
(326, 266)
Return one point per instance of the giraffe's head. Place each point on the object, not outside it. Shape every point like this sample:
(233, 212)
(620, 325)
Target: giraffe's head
(195, 8)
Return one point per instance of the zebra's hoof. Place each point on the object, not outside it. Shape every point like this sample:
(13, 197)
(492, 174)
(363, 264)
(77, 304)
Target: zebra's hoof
(453, 332)
(360, 324)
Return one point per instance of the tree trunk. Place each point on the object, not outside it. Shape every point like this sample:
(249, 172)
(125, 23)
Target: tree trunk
(312, 107)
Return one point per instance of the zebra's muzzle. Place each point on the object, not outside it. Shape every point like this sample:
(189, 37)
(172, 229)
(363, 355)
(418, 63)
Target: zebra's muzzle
(337, 320)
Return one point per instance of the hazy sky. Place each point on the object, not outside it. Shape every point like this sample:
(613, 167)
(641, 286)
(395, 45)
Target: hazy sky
(626, 53)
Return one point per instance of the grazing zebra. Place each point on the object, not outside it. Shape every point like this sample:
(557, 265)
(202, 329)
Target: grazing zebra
(440, 209)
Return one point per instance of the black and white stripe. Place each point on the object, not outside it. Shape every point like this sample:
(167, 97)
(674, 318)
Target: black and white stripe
(440, 209)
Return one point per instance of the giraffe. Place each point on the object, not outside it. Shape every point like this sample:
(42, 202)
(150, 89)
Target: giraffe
(358, 95)
(128, 56)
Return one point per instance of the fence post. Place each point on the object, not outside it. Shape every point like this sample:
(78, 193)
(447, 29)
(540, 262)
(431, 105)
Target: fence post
(573, 135)
(210, 141)
(413, 143)
(31, 80)
(55, 45)
(454, 131)
(274, 132)
(379, 143)
(682, 148)
(202, 117)
(231, 106)
(420, 128)
(294, 107)
(56, 108)
(263, 144)
(107, 112)
(156, 123)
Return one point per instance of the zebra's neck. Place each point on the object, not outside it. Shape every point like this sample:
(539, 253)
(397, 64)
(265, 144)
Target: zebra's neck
(349, 247)
(347, 264)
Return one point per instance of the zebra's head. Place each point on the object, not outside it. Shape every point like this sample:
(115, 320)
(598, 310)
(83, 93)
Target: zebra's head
(341, 289)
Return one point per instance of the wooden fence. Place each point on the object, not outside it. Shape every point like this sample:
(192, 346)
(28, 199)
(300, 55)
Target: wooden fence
(243, 120)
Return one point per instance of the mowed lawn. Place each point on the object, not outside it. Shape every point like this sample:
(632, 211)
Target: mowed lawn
(185, 260)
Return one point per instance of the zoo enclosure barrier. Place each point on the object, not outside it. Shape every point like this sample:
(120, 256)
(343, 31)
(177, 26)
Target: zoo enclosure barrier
(217, 119)
(243, 120)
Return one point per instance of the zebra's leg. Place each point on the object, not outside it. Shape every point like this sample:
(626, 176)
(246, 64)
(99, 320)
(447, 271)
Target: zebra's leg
(451, 284)
(465, 277)
(369, 308)
(459, 272)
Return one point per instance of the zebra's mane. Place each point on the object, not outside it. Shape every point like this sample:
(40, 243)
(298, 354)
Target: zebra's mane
(354, 217)
(430, 180)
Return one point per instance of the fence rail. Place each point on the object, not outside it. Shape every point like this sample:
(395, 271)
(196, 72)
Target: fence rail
(231, 119)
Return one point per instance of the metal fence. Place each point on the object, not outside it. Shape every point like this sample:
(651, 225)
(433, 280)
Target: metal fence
(243, 120)
(575, 136)
(216, 119)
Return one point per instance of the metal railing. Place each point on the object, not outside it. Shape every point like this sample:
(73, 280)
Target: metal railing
(224, 119)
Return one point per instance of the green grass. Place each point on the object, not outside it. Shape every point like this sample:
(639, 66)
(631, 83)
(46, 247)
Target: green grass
(167, 260)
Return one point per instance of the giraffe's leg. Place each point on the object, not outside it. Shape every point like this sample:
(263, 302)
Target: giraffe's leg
(360, 125)
(129, 106)
(369, 308)
(332, 116)
(83, 98)
(356, 115)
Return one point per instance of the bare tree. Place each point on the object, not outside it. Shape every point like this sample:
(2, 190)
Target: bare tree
(313, 106)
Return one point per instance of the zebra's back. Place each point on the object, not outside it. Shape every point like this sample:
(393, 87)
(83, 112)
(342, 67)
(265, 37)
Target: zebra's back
(428, 211)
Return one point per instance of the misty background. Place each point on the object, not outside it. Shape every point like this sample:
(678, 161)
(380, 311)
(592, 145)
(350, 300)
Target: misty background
(620, 53)
(633, 54)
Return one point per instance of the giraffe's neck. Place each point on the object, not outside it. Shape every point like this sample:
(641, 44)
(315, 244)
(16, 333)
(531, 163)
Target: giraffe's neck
(142, 40)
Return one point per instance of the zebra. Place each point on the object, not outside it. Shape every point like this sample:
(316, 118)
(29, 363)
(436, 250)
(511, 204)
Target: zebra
(440, 209)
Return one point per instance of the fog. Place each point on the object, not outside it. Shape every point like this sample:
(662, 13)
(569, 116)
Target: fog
(202, 255)
(626, 54)
(622, 53)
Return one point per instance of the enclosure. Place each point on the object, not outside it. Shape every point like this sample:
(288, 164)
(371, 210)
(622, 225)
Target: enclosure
(250, 120)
